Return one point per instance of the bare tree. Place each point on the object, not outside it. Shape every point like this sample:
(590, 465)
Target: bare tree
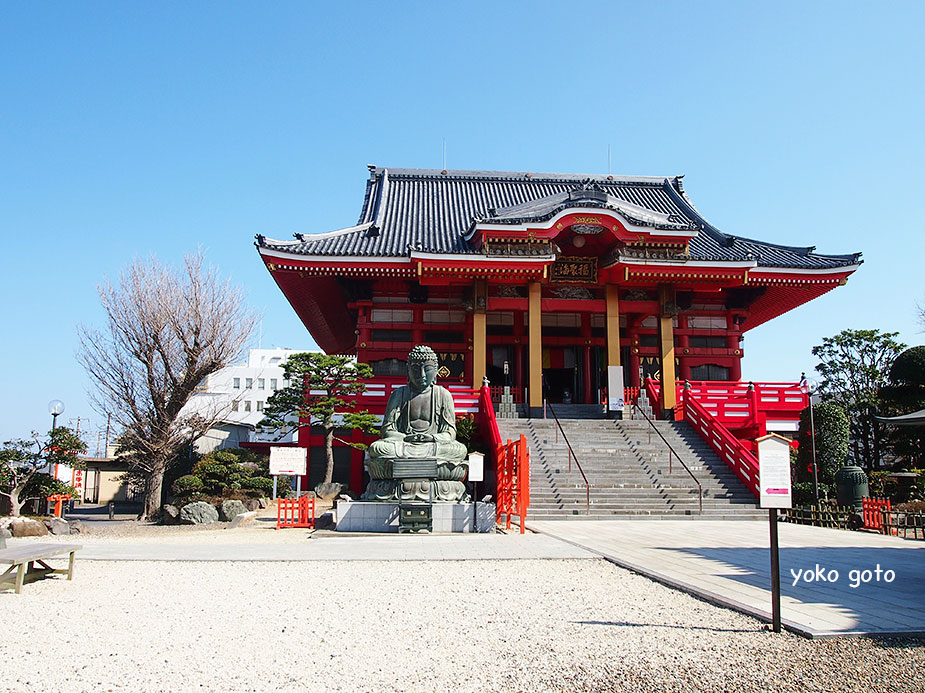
(167, 331)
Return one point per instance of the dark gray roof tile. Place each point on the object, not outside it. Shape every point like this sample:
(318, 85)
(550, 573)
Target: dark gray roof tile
(432, 210)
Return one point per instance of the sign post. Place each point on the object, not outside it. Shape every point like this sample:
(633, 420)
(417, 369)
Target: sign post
(774, 491)
(291, 461)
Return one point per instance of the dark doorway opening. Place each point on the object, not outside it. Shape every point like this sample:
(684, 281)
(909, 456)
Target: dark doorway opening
(560, 385)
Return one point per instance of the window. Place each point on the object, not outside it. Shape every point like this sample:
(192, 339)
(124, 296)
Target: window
(237, 384)
(259, 405)
(248, 383)
(391, 335)
(709, 371)
(247, 405)
(699, 342)
(389, 367)
(444, 317)
(261, 383)
(273, 384)
(234, 405)
(389, 315)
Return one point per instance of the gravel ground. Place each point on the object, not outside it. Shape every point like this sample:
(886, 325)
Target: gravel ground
(410, 626)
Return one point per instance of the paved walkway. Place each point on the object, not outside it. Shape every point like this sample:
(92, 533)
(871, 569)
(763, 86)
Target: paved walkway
(391, 547)
(728, 563)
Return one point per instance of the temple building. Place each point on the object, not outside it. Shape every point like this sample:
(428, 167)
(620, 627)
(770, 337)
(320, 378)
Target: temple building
(542, 281)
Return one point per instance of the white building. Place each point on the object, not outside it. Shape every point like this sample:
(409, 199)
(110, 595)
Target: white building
(240, 393)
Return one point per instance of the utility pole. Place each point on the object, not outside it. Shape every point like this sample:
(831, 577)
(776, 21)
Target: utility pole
(108, 424)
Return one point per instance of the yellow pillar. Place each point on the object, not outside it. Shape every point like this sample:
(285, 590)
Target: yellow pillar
(666, 346)
(613, 325)
(478, 334)
(535, 341)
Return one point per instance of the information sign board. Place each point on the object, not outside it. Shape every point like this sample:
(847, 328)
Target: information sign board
(291, 461)
(774, 488)
(615, 400)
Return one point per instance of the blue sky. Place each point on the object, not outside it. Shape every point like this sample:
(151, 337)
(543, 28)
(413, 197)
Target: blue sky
(128, 129)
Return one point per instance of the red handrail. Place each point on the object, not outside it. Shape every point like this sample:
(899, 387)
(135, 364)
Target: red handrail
(513, 482)
(729, 448)
(512, 466)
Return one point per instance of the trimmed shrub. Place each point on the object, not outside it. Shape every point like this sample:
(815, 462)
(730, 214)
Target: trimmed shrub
(235, 474)
(832, 432)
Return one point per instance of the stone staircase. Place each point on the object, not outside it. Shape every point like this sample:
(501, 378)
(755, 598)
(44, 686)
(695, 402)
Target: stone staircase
(629, 475)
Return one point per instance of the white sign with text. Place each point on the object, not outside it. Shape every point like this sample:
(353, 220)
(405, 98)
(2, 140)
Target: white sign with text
(774, 488)
(291, 461)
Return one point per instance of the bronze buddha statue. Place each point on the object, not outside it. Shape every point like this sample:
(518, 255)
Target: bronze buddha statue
(419, 424)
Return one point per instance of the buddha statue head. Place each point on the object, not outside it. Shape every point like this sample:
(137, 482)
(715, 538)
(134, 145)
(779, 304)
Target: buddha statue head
(422, 368)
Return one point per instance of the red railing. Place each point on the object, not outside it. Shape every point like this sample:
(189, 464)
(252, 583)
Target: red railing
(737, 406)
(512, 465)
(516, 392)
(513, 470)
(295, 512)
(873, 512)
(377, 393)
(631, 395)
(488, 423)
(729, 448)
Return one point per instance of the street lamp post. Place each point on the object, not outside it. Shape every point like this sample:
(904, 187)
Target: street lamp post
(55, 407)
(808, 387)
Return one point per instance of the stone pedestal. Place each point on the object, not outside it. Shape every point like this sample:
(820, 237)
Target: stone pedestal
(362, 516)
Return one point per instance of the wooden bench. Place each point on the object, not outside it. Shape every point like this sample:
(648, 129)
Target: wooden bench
(23, 558)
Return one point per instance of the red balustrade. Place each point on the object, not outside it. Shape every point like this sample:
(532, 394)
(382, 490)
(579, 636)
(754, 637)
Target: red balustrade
(376, 396)
(873, 513)
(517, 394)
(513, 474)
(512, 466)
(729, 448)
(295, 512)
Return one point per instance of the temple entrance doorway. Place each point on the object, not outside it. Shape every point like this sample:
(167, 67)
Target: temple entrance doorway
(561, 375)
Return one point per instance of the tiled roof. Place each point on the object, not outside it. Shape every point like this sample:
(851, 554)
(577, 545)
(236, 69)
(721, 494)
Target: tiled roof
(433, 211)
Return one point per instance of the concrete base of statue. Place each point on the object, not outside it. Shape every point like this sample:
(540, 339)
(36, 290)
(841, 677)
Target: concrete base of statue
(363, 516)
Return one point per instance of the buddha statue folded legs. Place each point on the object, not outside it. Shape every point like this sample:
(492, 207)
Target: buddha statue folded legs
(419, 424)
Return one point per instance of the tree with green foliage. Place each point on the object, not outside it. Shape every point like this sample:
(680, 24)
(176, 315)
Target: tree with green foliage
(21, 461)
(854, 366)
(904, 394)
(832, 431)
(321, 391)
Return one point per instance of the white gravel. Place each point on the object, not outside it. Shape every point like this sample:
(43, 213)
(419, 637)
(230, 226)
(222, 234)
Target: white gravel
(409, 626)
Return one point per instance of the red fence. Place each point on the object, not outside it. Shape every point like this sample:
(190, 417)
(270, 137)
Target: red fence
(295, 512)
(377, 393)
(513, 482)
(729, 448)
(737, 406)
(517, 394)
(873, 512)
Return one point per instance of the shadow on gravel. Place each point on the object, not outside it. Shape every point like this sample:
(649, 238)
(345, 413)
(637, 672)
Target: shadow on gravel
(629, 624)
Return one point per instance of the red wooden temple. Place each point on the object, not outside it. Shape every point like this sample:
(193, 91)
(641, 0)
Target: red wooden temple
(541, 282)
